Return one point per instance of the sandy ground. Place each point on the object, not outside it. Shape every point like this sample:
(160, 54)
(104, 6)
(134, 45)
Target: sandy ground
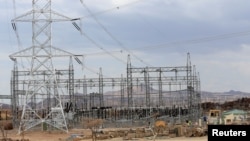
(165, 139)
(62, 136)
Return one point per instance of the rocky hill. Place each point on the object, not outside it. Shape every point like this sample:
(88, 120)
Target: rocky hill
(221, 97)
(241, 103)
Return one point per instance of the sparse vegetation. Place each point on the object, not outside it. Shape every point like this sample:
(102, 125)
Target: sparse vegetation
(4, 127)
(242, 104)
(93, 125)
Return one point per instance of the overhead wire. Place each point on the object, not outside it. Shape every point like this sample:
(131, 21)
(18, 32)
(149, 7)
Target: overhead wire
(8, 17)
(78, 27)
(92, 40)
(112, 36)
(15, 28)
(108, 10)
(83, 66)
(171, 44)
(198, 40)
(100, 47)
(97, 45)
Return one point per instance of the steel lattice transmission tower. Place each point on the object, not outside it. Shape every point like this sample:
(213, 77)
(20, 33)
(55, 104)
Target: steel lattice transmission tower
(40, 57)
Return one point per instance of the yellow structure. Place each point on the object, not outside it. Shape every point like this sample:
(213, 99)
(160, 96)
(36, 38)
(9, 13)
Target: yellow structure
(214, 116)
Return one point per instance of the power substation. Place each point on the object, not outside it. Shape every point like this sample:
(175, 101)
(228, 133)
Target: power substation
(47, 90)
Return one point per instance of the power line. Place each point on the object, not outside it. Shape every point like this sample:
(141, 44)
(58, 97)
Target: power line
(112, 36)
(14, 26)
(108, 10)
(196, 41)
(100, 47)
(170, 44)
(102, 53)
(91, 40)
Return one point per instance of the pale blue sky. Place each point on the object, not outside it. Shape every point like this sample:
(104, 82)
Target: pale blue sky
(158, 32)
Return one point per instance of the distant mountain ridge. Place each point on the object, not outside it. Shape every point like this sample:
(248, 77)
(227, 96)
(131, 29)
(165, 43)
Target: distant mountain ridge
(223, 96)
(206, 96)
(235, 92)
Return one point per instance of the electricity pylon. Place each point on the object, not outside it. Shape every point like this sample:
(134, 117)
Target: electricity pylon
(40, 57)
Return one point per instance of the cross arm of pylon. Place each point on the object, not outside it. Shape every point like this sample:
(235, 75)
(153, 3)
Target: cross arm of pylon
(56, 52)
(42, 16)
